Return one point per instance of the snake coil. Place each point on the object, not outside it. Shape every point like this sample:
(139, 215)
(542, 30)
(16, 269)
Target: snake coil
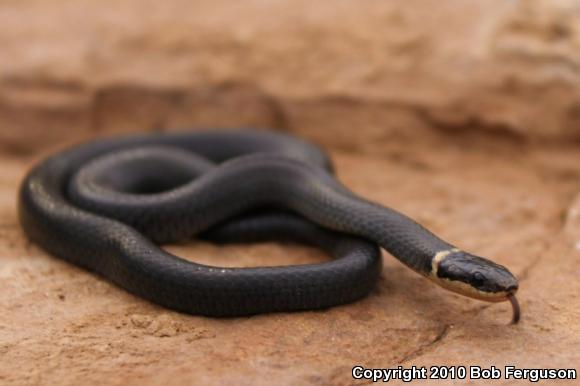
(107, 205)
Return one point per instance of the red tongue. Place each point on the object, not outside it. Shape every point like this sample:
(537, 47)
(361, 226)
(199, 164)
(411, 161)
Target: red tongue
(515, 307)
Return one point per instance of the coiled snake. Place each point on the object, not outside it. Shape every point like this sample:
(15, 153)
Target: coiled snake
(108, 204)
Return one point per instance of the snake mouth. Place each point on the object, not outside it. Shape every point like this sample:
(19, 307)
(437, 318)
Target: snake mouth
(494, 297)
(468, 290)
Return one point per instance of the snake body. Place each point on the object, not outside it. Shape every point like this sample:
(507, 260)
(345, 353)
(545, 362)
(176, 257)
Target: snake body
(108, 205)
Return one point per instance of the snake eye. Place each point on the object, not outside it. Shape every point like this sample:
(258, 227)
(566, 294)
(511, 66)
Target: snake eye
(478, 279)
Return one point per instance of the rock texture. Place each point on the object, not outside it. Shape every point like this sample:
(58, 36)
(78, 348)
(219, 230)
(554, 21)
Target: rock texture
(463, 115)
(74, 69)
(62, 324)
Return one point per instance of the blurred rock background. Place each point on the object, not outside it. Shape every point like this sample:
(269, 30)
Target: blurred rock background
(385, 69)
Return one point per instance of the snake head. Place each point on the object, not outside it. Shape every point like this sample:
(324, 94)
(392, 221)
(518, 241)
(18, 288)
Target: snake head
(473, 276)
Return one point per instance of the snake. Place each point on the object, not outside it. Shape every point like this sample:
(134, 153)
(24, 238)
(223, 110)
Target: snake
(111, 205)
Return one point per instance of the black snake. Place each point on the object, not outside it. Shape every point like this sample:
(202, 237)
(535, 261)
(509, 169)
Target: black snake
(107, 205)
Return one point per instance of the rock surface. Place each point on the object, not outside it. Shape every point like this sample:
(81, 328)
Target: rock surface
(460, 114)
(75, 69)
(62, 324)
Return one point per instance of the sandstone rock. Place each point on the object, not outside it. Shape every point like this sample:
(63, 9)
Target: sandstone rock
(509, 69)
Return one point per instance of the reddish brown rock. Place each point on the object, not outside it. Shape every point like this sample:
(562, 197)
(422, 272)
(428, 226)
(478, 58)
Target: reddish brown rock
(509, 69)
(63, 324)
